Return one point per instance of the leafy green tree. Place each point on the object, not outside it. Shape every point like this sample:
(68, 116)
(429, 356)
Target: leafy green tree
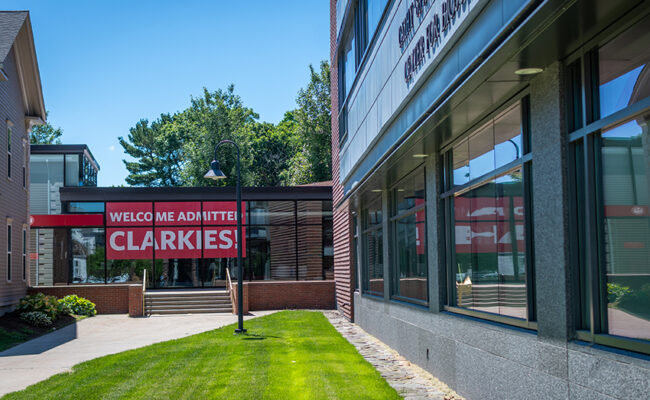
(157, 149)
(312, 162)
(272, 147)
(211, 118)
(45, 134)
(176, 150)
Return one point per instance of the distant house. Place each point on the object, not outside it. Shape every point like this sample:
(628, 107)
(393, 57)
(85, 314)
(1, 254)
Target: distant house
(21, 107)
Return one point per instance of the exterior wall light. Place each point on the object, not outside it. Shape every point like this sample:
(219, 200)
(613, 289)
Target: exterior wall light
(420, 155)
(528, 71)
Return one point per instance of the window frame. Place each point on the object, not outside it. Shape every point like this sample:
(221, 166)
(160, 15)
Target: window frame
(393, 220)
(446, 203)
(24, 254)
(365, 230)
(8, 274)
(586, 190)
(9, 134)
(25, 158)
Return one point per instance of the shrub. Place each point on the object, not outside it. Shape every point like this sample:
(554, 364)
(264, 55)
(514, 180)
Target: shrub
(48, 305)
(36, 318)
(616, 291)
(638, 301)
(79, 305)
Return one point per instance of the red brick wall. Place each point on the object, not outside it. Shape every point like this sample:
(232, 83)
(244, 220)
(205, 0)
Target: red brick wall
(109, 299)
(342, 266)
(280, 295)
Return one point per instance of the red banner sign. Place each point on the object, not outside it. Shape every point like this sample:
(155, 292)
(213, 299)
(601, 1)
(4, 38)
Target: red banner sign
(173, 242)
(177, 233)
(179, 213)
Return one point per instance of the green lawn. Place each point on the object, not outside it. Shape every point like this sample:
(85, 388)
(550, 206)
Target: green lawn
(287, 355)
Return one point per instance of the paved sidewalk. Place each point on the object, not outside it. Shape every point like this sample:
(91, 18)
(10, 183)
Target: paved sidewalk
(57, 352)
(410, 381)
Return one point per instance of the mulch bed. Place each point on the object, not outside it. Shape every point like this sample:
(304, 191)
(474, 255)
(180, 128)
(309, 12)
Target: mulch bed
(17, 331)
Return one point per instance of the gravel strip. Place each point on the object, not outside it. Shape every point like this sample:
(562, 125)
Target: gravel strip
(409, 380)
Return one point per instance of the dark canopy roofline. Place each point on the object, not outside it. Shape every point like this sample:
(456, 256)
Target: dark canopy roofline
(63, 149)
(194, 193)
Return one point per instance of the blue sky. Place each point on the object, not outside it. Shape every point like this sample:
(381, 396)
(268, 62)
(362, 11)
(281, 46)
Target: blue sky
(106, 64)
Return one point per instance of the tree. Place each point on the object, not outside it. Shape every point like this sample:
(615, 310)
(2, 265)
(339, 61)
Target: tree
(176, 150)
(211, 118)
(45, 134)
(272, 147)
(313, 160)
(157, 150)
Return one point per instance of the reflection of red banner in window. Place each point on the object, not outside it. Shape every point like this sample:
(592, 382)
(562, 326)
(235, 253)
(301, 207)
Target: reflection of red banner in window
(627, 211)
(419, 228)
(488, 237)
(172, 242)
(487, 208)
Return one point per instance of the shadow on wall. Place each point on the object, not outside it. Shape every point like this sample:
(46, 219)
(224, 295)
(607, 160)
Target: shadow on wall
(43, 343)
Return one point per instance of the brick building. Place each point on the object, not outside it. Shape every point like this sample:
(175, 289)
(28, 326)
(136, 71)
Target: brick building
(21, 107)
(491, 175)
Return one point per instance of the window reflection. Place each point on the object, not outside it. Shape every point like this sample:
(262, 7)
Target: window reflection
(410, 276)
(624, 75)
(494, 145)
(490, 247)
(481, 152)
(373, 274)
(626, 228)
(460, 155)
(88, 255)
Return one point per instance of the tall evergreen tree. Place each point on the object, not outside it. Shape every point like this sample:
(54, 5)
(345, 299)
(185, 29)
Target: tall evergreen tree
(157, 150)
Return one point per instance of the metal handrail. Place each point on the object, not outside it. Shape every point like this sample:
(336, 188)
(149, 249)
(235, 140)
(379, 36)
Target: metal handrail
(230, 291)
(144, 289)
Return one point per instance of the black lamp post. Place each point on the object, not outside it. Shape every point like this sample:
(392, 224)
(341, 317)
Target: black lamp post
(216, 173)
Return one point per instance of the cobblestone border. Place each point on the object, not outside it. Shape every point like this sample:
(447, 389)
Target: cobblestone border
(409, 380)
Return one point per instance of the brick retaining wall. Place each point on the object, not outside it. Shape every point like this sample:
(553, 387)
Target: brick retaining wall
(109, 299)
(280, 295)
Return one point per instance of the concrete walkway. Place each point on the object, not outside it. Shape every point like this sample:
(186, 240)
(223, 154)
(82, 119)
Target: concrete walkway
(57, 352)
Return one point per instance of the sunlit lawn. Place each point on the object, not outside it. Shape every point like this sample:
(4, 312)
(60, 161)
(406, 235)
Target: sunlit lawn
(287, 355)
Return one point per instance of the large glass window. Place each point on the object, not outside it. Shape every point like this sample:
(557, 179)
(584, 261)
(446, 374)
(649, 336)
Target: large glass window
(88, 255)
(72, 174)
(128, 271)
(373, 249)
(347, 68)
(623, 73)
(612, 179)
(409, 271)
(85, 207)
(46, 177)
(626, 228)
(486, 205)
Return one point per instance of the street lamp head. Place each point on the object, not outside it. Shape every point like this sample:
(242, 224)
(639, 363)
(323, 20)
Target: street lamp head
(215, 171)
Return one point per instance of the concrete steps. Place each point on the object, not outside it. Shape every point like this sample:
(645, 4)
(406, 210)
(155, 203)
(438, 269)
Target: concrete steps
(187, 301)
